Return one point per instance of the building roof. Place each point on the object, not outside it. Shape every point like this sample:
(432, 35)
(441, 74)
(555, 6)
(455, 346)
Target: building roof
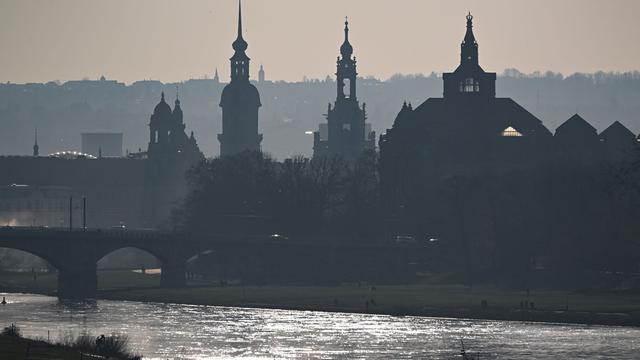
(487, 118)
(576, 128)
(617, 132)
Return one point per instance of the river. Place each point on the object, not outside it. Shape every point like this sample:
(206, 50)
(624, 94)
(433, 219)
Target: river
(176, 331)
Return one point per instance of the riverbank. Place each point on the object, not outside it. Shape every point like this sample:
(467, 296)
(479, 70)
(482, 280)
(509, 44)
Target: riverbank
(409, 300)
(436, 300)
(19, 348)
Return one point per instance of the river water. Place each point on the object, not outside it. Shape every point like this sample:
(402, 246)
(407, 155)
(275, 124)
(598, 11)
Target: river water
(174, 331)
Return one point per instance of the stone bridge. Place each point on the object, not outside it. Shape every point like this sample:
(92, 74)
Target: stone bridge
(75, 253)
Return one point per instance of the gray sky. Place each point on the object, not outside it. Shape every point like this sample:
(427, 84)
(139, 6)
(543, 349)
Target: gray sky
(172, 40)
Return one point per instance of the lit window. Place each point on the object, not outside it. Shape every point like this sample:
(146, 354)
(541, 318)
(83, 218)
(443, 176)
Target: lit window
(511, 132)
(469, 85)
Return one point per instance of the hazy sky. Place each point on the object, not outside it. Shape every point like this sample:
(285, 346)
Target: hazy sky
(173, 40)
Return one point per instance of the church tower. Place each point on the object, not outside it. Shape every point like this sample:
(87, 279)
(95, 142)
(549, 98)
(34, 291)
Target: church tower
(36, 148)
(347, 133)
(469, 81)
(240, 102)
(167, 137)
(160, 129)
(216, 78)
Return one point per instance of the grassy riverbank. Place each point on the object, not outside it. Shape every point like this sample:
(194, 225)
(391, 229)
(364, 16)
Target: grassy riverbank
(19, 348)
(414, 299)
(14, 348)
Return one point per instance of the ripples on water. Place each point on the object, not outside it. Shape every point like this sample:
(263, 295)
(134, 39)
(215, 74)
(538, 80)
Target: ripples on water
(173, 331)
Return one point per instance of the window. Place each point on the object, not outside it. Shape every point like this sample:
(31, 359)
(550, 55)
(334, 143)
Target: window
(511, 132)
(469, 85)
(346, 88)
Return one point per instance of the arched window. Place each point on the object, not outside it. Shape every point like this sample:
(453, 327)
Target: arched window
(346, 88)
(511, 132)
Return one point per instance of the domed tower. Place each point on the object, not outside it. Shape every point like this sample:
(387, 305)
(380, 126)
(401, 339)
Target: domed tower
(347, 134)
(177, 135)
(167, 138)
(240, 103)
(160, 126)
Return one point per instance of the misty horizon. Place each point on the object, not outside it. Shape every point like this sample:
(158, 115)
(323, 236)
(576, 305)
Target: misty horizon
(73, 39)
(507, 72)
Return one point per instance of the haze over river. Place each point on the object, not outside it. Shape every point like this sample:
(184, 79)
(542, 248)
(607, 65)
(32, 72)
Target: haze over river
(174, 331)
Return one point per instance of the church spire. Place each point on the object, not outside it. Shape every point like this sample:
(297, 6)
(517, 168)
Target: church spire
(240, 45)
(36, 148)
(469, 46)
(239, 60)
(239, 19)
(346, 49)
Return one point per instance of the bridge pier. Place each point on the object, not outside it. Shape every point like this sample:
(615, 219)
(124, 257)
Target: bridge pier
(173, 275)
(80, 281)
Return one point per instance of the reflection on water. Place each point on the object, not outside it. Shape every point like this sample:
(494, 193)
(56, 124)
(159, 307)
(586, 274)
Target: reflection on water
(171, 331)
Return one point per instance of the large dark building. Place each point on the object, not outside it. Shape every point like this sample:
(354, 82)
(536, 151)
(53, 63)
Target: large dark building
(240, 102)
(470, 138)
(469, 129)
(347, 134)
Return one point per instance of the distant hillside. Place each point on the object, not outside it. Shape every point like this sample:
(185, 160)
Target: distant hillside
(63, 111)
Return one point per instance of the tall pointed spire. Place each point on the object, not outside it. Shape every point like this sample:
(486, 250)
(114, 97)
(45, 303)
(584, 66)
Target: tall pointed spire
(240, 45)
(36, 148)
(469, 46)
(239, 19)
(240, 60)
(216, 78)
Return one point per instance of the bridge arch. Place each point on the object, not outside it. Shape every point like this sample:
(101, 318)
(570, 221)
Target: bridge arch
(40, 254)
(107, 252)
(128, 267)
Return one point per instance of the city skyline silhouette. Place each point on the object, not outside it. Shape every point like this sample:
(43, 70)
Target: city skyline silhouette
(73, 40)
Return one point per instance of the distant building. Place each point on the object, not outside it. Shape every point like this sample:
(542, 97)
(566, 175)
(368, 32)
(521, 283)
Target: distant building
(102, 144)
(167, 138)
(261, 76)
(347, 134)
(240, 102)
(216, 77)
(139, 190)
(36, 148)
(26, 205)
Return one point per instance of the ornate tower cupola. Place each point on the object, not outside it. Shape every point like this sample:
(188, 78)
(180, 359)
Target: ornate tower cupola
(469, 46)
(347, 132)
(346, 68)
(469, 81)
(240, 60)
